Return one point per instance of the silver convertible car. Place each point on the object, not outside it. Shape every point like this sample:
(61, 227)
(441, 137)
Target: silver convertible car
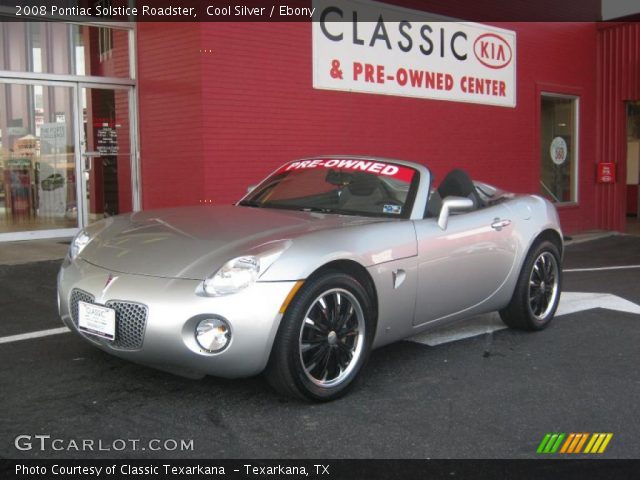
(325, 260)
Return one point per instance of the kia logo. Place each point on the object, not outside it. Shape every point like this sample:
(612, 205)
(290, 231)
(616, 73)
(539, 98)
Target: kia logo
(492, 51)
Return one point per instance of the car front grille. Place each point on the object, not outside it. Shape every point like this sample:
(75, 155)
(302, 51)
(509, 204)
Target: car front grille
(131, 320)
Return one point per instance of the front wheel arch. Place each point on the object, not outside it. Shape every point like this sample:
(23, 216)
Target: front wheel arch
(357, 271)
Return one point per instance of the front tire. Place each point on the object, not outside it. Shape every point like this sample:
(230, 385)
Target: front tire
(324, 339)
(537, 292)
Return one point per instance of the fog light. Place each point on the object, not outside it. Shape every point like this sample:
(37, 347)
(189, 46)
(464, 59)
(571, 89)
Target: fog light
(213, 334)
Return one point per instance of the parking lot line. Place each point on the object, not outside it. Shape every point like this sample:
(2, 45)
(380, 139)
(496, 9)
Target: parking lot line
(599, 269)
(27, 336)
(570, 302)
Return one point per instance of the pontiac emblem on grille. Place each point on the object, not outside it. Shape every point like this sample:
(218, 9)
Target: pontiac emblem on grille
(110, 279)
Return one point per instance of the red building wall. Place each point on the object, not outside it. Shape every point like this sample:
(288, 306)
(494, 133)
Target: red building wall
(618, 82)
(252, 104)
(171, 111)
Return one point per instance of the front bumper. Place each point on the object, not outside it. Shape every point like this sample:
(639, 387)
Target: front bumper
(173, 310)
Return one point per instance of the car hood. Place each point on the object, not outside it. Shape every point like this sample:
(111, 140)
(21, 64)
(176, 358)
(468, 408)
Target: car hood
(194, 242)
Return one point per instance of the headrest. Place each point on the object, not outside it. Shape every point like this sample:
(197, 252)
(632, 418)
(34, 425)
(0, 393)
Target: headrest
(363, 184)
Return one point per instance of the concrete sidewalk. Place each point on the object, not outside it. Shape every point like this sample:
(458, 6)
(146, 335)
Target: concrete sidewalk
(15, 253)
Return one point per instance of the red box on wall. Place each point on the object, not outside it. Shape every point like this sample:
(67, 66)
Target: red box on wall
(606, 172)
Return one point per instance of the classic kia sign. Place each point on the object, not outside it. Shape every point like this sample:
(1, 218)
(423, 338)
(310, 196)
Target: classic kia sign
(371, 47)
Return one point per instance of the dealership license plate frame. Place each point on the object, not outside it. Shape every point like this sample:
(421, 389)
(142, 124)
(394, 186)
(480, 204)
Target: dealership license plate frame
(97, 320)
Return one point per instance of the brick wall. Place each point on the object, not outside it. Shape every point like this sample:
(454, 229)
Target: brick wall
(238, 112)
(171, 114)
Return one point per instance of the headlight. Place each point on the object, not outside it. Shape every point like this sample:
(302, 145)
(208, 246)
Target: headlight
(78, 243)
(234, 276)
(240, 272)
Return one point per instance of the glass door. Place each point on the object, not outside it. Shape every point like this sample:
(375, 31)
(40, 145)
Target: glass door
(66, 156)
(38, 159)
(106, 151)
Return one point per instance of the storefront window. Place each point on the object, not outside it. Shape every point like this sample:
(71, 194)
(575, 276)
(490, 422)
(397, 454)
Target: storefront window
(558, 148)
(62, 48)
(37, 158)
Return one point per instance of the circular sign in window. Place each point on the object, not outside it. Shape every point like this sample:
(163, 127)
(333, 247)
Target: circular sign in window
(558, 150)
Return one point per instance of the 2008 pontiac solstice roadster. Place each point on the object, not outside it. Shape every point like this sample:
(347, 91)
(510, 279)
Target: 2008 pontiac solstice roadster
(323, 261)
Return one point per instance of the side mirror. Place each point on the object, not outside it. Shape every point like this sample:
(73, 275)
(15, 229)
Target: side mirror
(251, 188)
(450, 204)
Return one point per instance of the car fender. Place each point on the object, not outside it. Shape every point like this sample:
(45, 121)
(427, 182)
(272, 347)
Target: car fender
(388, 251)
(368, 245)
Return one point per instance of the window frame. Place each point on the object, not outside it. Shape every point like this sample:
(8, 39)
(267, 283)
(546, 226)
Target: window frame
(575, 96)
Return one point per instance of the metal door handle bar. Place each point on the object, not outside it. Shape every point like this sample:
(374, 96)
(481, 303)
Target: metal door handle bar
(88, 164)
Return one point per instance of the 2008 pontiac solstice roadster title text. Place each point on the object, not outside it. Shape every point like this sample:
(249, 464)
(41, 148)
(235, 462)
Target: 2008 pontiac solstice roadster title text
(323, 261)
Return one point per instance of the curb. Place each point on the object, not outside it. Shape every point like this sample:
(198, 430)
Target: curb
(588, 237)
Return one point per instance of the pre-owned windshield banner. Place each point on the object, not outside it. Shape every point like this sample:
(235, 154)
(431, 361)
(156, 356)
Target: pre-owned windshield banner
(371, 166)
(371, 47)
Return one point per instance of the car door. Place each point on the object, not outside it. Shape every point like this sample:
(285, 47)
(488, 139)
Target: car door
(464, 265)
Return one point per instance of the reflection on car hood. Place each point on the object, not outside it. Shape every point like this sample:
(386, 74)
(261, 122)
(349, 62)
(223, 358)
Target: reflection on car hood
(193, 242)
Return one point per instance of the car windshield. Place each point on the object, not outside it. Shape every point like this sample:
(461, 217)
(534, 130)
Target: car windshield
(342, 186)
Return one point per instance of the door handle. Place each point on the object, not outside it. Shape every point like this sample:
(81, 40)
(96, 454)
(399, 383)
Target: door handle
(498, 224)
(88, 156)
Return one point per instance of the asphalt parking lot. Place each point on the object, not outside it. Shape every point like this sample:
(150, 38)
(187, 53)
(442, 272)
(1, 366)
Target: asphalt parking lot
(494, 395)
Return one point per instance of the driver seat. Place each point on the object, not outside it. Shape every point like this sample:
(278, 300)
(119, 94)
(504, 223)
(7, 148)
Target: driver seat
(362, 193)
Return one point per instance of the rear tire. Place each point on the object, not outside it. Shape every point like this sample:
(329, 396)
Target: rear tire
(324, 339)
(537, 292)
